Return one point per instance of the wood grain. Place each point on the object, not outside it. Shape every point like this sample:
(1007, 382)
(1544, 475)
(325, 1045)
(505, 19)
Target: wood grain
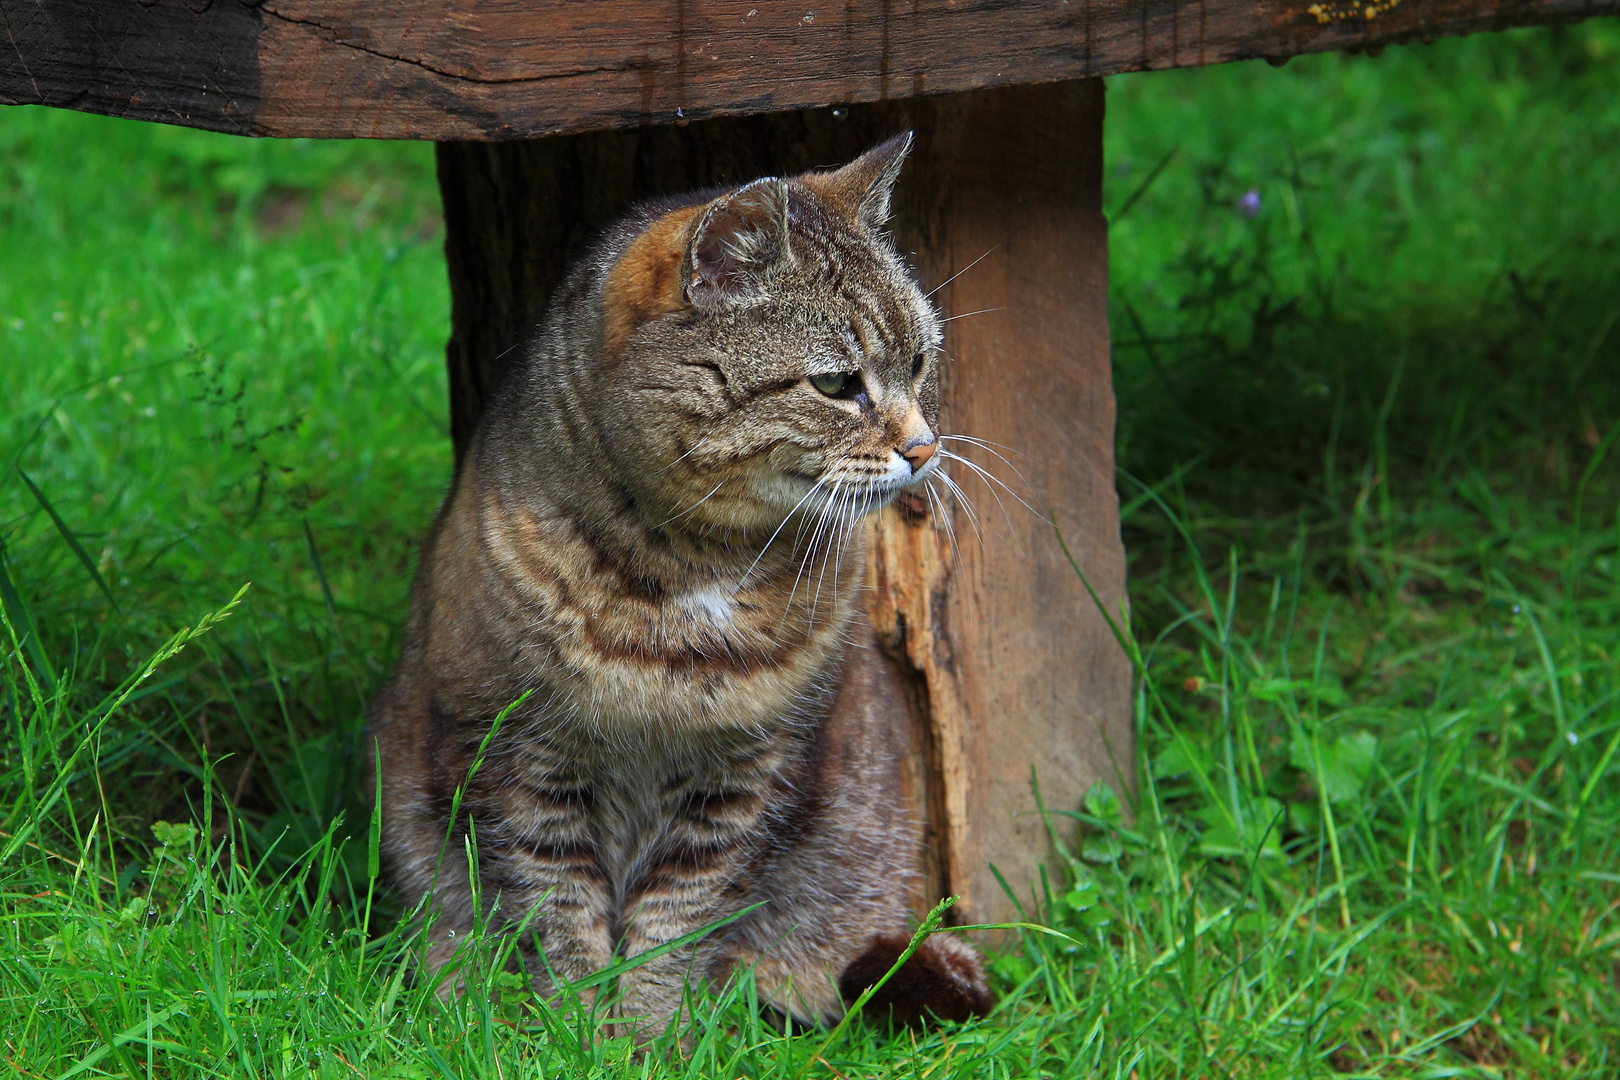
(1002, 660)
(1023, 678)
(162, 62)
(501, 69)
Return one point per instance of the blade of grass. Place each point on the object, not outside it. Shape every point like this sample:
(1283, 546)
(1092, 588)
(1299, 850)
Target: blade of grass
(21, 618)
(72, 541)
(927, 927)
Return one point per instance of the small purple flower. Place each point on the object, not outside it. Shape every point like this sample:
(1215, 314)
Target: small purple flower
(1250, 203)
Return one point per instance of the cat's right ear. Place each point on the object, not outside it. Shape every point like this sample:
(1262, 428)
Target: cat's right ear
(860, 191)
(738, 245)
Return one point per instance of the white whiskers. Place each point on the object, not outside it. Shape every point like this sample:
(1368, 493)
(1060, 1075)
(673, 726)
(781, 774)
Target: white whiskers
(780, 527)
(965, 314)
(993, 481)
(936, 503)
(967, 505)
(691, 508)
(992, 447)
(962, 271)
(857, 505)
(823, 524)
(826, 533)
(683, 457)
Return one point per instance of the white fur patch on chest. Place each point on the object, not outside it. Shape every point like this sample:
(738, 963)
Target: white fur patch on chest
(711, 605)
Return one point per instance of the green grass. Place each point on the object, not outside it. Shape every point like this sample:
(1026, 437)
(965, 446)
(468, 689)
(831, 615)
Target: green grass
(1369, 470)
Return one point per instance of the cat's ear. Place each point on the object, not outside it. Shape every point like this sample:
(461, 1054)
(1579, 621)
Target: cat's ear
(739, 242)
(860, 190)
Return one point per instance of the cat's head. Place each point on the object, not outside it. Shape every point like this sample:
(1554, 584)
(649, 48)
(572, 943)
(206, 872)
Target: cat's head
(767, 350)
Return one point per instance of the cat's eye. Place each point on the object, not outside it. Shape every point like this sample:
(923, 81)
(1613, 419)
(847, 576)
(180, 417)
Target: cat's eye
(833, 383)
(917, 364)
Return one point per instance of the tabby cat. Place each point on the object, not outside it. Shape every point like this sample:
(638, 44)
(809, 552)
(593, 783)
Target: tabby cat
(654, 533)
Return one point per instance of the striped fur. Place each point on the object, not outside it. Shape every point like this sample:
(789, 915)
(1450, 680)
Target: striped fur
(654, 534)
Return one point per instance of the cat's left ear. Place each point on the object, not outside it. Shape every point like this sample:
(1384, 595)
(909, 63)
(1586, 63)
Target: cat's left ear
(738, 243)
(860, 190)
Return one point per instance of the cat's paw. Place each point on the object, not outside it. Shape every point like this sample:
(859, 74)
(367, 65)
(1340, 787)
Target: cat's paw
(943, 979)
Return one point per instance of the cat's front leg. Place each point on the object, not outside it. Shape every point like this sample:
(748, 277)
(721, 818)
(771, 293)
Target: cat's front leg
(651, 994)
(687, 881)
(541, 873)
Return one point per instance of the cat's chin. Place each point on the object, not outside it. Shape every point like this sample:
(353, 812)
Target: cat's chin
(815, 495)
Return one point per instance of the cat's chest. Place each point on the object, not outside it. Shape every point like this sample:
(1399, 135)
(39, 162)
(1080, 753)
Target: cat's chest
(710, 656)
(710, 610)
(617, 652)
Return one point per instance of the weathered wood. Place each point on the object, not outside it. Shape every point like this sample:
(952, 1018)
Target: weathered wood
(162, 61)
(1017, 670)
(500, 69)
(1001, 660)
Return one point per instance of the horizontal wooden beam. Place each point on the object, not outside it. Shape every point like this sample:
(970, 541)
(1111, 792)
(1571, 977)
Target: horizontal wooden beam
(503, 69)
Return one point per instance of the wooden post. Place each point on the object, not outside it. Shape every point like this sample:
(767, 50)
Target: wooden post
(1020, 674)
(1002, 663)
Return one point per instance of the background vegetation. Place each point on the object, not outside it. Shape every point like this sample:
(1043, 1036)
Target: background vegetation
(1367, 336)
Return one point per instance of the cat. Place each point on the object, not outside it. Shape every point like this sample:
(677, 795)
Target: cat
(655, 534)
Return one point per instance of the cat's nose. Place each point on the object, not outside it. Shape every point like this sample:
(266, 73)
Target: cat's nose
(921, 442)
(919, 454)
